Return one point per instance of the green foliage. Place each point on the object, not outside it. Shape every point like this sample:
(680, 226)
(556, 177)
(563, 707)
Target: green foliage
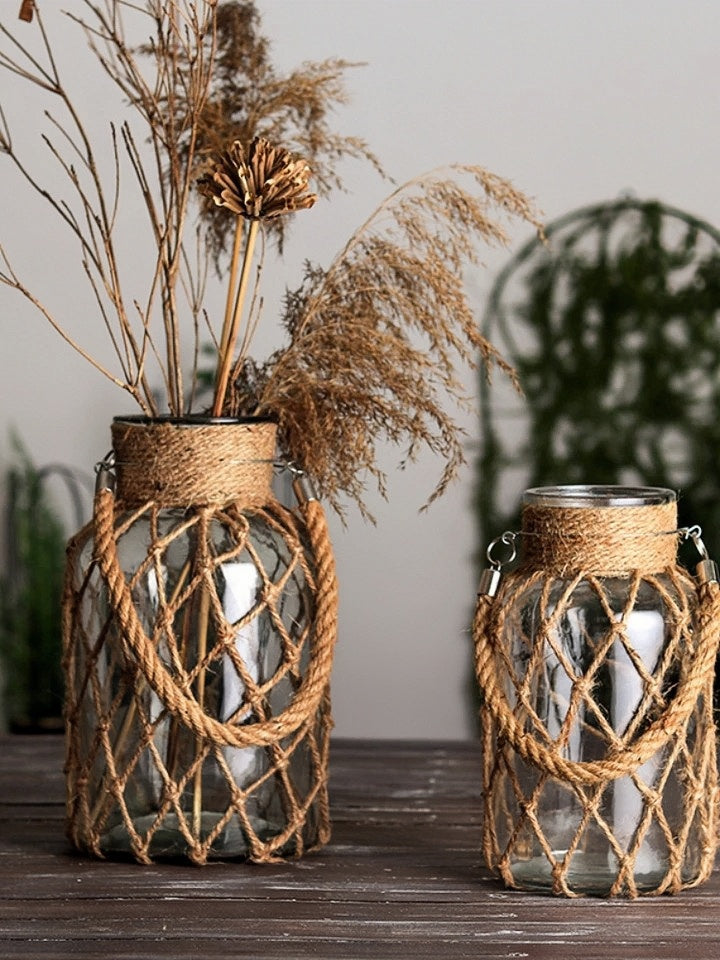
(30, 595)
(613, 330)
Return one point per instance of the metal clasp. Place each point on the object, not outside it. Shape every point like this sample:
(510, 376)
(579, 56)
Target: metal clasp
(104, 475)
(490, 577)
(303, 487)
(707, 570)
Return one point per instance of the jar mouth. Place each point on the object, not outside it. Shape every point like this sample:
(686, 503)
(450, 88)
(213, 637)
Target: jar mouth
(190, 420)
(597, 495)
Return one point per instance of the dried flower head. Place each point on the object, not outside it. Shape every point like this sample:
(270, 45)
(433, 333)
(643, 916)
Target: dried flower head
(261, 183)
(250, 98)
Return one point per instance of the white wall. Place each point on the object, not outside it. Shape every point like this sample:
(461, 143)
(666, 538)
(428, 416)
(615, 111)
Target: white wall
(575, 101)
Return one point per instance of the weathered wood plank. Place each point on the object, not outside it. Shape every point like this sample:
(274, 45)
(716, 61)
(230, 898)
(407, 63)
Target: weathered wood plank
(402, 878)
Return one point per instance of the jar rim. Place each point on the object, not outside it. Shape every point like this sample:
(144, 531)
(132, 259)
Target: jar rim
(189, 420)
(597, 495)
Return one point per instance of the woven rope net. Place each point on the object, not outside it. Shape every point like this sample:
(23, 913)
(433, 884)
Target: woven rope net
(199, 623)
(599, 743)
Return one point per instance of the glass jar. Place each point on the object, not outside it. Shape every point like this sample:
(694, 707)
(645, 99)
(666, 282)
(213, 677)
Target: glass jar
(594, 635)
(224, 593)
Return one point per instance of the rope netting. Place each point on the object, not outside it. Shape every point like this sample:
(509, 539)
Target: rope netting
(198, 646)
(586, 735)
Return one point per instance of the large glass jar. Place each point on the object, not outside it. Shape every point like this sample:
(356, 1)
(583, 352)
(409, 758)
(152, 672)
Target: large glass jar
(172, 705)
(593, 782)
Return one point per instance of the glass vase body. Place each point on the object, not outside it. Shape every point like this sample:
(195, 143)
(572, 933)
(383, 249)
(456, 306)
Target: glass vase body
(589, 662)
(225, 594)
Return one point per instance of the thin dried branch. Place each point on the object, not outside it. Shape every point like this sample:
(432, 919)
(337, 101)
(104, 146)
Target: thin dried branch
(120, 351)
(11, 279)
(95, 236)
(40, 77)
(5, 138)
(179, 74)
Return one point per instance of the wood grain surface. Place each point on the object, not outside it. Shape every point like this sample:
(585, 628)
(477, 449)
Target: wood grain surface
(402, 878)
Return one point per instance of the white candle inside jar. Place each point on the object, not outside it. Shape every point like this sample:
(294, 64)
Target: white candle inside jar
(645, 637)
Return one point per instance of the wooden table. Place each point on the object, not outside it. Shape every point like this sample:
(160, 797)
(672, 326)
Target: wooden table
(402, 878)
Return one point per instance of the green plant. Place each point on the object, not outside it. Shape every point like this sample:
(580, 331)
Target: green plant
(30, 595)
(613, 330)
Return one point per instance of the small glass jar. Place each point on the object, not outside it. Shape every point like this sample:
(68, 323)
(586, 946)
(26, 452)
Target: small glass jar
(594, 634)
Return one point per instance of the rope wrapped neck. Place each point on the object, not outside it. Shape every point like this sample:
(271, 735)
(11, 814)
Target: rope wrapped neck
(200, 463)
(603, 541)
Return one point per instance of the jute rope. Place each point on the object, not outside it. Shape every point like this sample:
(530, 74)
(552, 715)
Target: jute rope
(153, 668)
(305, 721)
(197, 464)
(608, 541)
(571, 549)
(488, 632)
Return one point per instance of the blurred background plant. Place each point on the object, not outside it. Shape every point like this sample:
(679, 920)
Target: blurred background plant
(31, 590)
(613, 330)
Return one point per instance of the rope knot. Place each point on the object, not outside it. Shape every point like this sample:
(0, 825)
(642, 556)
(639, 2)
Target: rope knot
(583, 686)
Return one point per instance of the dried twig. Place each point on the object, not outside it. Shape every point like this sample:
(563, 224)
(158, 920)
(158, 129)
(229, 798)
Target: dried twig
(182, 64)
(203, 72)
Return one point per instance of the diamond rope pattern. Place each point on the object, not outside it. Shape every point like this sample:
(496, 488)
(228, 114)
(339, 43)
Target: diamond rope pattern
(564, 653)
(227, 606)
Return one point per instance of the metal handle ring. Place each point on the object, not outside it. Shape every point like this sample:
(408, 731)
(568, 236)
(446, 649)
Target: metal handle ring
(507, 539)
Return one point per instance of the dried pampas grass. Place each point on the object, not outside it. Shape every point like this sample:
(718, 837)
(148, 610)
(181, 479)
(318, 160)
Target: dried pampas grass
(376, 340)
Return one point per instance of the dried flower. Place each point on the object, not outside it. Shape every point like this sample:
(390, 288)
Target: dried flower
(257, 185)
(376, 341)
(262, 183)
(250, 98)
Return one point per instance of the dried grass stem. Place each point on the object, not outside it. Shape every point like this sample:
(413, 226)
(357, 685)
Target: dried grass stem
(229, 337)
